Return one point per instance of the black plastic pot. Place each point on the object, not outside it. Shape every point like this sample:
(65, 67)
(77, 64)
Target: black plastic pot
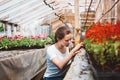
(108, 75)
(21, 48)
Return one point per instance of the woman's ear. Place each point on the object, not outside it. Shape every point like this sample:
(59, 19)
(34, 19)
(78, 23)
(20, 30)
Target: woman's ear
(58, 39)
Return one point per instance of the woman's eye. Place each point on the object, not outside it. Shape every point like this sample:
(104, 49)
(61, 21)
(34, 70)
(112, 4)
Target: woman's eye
(66, 40)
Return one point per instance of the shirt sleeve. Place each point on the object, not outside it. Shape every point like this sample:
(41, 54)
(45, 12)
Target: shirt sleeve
(50, 53)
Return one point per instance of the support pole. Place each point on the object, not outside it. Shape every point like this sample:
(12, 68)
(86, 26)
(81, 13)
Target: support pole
(12, 30)
(6, 29)
(77, 25)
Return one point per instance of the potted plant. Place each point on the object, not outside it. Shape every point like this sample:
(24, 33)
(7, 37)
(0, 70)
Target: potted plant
(1, 27)
(102, 42)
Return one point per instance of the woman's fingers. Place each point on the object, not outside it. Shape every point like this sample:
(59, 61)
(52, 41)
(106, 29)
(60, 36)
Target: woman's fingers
(77, 51)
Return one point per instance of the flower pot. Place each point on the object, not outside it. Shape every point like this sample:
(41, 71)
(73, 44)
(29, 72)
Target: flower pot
(108, 75)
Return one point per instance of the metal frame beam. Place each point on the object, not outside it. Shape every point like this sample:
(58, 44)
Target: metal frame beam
(32, 13)
(8, 12)
(39, 15)
(26, 11)
(36, 18)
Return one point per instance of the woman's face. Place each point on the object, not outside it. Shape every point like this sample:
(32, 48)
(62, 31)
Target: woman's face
(66, 40)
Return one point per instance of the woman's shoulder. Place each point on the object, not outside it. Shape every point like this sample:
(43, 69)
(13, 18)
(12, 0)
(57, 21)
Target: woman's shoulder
(51, 47)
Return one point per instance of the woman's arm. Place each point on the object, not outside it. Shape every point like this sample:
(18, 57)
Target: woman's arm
(61, 63)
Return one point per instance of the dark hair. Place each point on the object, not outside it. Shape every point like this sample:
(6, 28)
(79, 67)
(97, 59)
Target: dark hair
(61, 32)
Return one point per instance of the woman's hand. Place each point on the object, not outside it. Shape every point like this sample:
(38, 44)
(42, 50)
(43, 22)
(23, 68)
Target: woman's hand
(76, 49)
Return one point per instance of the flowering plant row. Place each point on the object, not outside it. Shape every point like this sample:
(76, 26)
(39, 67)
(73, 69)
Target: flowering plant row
(19, 41)
(102, 42)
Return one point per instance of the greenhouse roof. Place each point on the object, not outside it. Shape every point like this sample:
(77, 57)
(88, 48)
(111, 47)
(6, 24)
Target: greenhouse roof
(23, 12)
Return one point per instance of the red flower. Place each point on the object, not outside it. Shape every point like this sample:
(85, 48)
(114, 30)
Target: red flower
(0, 38)
(101, 33)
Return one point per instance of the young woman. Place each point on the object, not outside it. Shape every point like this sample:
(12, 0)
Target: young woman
(58, 55)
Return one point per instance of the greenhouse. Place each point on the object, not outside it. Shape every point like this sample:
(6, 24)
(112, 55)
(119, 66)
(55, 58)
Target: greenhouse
(59, 39)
